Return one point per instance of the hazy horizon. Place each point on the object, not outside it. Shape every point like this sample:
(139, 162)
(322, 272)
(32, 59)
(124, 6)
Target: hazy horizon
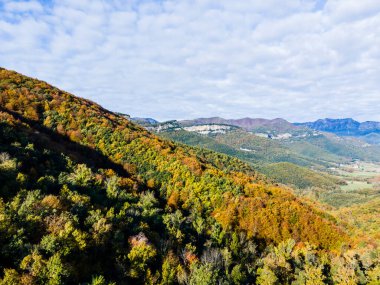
(240, 118)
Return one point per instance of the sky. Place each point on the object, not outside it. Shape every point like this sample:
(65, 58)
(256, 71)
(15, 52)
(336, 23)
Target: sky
(180, 59)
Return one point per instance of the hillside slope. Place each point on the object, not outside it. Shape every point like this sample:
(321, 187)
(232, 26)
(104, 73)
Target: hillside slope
(80, 183)
(269, 157)
(335, 147)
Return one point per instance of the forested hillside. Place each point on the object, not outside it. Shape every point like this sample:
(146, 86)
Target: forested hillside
(87, 197)
(277, 162)
(298, 177)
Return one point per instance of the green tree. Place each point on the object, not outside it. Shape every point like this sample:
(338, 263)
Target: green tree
(203, 274)
(265, 276)
(140, 256)
(55, 270)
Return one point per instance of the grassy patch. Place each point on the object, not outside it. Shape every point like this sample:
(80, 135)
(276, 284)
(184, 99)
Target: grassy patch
(356, 185)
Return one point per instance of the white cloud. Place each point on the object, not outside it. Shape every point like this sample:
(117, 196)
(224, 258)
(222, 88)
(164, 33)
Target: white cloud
(351, 10)
(23, 6)
(167, 59)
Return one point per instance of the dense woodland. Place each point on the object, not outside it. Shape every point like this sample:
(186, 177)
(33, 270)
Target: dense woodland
(87, 197)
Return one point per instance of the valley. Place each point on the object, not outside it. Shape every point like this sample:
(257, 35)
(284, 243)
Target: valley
(360, 184)
(320, 167)
(355, 203)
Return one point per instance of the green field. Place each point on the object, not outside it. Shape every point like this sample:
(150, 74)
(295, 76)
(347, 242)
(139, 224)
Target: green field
(356, 185)
(361, 186)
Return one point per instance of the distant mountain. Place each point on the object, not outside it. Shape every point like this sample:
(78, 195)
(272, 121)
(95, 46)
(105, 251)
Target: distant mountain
(147, 120)
(343, 127)
(372, 138)
(277, 125)
(367, 131)
(144, 121)
(301, 145)
(369, 126)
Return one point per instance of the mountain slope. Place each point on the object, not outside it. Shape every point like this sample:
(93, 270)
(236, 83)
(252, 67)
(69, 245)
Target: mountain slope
(339, 147)
(79, 182)
(238, 143)
(299, 177)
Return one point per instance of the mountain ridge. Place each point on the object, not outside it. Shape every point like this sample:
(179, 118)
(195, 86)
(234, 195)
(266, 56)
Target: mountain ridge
(340, 125)
(346, 126)
(368, 131)
(249, 124)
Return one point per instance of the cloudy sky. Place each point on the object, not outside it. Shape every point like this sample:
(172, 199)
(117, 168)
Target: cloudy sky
(176, 59)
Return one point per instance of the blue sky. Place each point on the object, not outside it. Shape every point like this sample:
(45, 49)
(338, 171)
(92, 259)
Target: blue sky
(297, 59)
